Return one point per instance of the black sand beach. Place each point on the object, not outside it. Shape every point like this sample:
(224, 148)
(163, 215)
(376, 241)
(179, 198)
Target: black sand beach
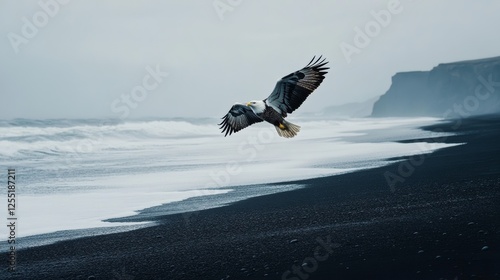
(439, 220)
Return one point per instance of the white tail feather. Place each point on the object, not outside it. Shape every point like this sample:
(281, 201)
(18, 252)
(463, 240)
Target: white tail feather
(289, 131)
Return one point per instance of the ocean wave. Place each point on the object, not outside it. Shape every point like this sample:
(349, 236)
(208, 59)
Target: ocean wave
(23, 137)
(77, 162)
(62, 136)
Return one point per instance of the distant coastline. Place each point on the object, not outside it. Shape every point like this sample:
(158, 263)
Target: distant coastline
(450, 90)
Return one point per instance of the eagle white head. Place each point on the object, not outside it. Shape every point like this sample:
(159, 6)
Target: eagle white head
(257, 106)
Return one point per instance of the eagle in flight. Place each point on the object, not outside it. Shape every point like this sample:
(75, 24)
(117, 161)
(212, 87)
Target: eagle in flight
(288, 94)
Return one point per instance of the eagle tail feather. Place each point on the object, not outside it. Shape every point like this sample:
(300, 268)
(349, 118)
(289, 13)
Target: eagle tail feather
(289, 130)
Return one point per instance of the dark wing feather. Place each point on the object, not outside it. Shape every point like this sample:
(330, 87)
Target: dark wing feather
(291, 91)
(239, 117)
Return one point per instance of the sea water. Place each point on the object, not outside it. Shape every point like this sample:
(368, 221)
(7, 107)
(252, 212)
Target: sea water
(73, 176)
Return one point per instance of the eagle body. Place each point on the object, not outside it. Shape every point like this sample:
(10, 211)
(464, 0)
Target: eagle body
(266, 112)
(289, 93)
(269, 114)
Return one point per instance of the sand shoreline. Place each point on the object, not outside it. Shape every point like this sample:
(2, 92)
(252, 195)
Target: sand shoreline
(440, 221)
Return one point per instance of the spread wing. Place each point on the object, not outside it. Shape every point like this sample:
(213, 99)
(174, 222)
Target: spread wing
(239, 117)
(291, 91)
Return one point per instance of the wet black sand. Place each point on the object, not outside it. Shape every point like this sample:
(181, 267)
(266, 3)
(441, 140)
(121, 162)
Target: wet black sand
(442, 221)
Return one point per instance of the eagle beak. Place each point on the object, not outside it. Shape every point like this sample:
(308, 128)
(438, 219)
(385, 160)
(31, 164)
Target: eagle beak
(249, 103)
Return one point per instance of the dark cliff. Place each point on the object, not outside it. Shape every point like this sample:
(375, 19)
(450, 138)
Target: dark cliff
(449, 90)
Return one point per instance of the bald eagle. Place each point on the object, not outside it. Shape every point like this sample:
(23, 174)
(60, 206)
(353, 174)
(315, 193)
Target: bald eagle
(289, 93)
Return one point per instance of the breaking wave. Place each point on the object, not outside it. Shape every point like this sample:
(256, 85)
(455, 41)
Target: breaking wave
(23, 137)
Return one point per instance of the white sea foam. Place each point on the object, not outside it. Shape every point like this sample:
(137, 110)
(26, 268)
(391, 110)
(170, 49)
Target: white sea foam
(47, 213)
(75, 175)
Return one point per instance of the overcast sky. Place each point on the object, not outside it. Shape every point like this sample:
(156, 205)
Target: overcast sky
(132, 59)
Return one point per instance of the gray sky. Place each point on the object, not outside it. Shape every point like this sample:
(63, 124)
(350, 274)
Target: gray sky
(92, 59)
